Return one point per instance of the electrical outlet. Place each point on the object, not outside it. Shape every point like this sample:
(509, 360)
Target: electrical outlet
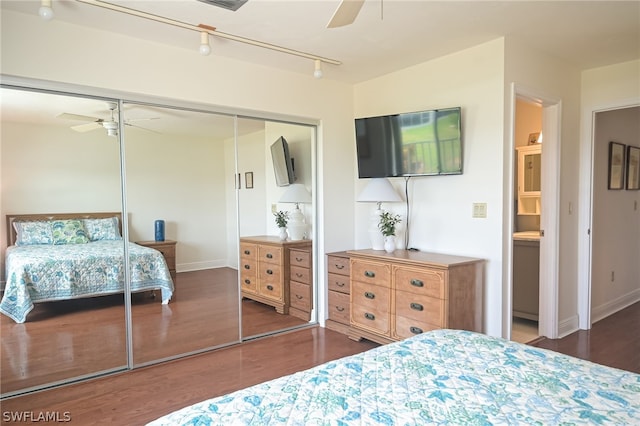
(274, 208)
(479, 210)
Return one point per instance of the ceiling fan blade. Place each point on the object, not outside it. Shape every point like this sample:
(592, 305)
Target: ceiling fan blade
(129, 120)
(67, 116)
(87, 127)
(346, 13)
(141, 128)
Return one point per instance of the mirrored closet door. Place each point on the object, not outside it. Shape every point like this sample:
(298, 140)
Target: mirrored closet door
(57, 158)
(180, 168)
(277, 280)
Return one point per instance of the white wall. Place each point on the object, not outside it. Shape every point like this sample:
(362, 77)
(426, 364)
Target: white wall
(603, 89)
(441, 206)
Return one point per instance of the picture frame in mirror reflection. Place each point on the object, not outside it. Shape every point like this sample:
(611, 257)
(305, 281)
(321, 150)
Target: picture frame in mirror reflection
(633, 167)
(248, 180)
(616, 165)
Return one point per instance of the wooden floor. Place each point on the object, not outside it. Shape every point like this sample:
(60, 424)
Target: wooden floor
(613, 341)
(76, 338)
(138, 396)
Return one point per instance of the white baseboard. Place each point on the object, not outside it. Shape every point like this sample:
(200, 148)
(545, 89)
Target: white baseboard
(199, 266)
(568, 326)
(613, 306)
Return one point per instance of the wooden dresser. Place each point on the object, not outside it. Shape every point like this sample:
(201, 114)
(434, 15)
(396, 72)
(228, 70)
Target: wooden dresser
(396, 295)
(266, 272)
(338, 268)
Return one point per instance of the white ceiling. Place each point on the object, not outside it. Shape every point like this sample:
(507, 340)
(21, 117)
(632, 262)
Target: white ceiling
(386, 36)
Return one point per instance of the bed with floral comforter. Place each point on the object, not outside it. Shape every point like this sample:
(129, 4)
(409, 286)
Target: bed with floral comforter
(63, 259)
(441, 377)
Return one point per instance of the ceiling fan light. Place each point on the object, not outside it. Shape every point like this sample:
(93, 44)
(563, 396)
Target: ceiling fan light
(318, 69)
(204, 49)
(45, 11)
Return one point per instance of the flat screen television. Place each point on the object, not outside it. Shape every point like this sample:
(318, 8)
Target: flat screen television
(282, 162)
(420, 143)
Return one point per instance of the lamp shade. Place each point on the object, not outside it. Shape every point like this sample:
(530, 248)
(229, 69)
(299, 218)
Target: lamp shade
(379, 190)
(296, 193)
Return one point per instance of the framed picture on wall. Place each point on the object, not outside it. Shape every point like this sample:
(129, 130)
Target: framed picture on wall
(616, 165)
(633, 167)
(248, 180)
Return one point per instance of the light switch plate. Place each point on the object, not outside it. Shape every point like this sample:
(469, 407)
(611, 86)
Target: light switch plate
(479, 210)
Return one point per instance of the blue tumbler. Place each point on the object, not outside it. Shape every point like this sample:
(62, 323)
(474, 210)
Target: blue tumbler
(159, 230)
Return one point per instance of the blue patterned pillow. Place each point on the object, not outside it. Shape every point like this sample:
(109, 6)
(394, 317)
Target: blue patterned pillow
(68, 231)
(102, 229)
(29, 233)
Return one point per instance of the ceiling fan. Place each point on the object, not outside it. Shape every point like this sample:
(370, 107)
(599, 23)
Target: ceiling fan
(110, 124)
(346, 13)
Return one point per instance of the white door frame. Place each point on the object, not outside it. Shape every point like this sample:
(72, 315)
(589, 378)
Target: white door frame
(549, 219)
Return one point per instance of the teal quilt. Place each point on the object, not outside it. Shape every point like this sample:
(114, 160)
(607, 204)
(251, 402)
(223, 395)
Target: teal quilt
(45, 272)
(443, 377)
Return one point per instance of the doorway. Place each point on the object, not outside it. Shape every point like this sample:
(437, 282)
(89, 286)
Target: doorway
(548, 228)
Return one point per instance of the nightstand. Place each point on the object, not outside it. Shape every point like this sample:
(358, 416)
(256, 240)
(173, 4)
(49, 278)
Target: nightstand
(168, 250)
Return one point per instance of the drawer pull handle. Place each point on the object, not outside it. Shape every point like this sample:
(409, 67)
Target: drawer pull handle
(269, 256)
(299, 297)
(339, 266)
(269, 271)
(369, 274)
(247, 252)
(299, 259)
(339, 308)
(369, 295)
(299, 275)
(247, 267)
(339, 283)
(415, 330)
(270, 287)
(417, 307)
(247, 281)
(417, 283)
(369, 316)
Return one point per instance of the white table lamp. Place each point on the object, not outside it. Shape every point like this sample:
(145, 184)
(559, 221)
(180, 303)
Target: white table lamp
(378, 190)
(296, 193)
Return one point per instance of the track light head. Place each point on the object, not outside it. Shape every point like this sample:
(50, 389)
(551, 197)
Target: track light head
(318, 69)
(204, 49)
(45, 11)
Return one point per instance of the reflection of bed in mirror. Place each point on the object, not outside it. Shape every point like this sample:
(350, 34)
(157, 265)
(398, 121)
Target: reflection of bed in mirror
(53, 257)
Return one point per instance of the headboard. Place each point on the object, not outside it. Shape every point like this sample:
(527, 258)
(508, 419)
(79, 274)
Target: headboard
(11, 218)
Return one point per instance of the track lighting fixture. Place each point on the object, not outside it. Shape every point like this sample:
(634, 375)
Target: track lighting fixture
(205, 31)
(45, 11)
(318, 69)
(205, 49)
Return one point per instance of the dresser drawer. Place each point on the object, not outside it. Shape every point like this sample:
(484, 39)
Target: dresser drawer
(407, 327)
(301, 258)
(269, 254)
(369, 318)
(420, 308)
(371, 296)
(270, 284)
(248, 251)
(371, 272)
(339, 307)
(302, 275)
(249, 282)
(338, 265)
(420, 281)
(339, 283)
(300, 296)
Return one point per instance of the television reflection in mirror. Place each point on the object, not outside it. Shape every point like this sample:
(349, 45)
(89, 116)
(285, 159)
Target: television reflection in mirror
(282, 162)
(420, 143)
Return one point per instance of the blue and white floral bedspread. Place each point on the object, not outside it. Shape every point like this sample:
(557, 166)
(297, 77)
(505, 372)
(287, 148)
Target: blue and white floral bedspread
(40, 273)
(440, 377)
